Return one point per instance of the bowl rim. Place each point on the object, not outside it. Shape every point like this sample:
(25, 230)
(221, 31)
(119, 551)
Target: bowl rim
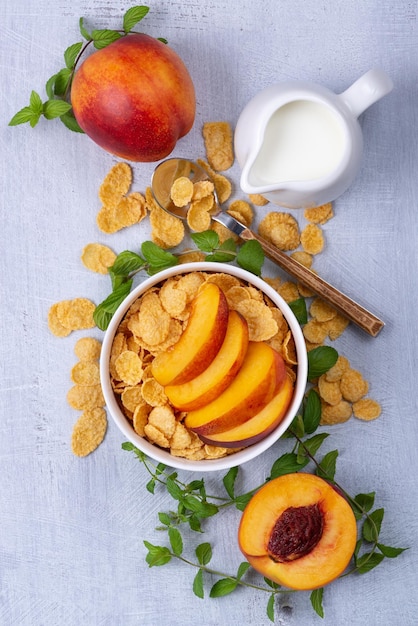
(231, 460)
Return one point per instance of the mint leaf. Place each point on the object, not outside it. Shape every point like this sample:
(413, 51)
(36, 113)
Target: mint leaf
(327, 466)
(62, 80)
(24, 115)
(316, 601)
(127, 262)
(198, 585)
(55, 108)
(242, 569)
(35, 102)
(251, 257)
(176, 541)
(361, 503)
(103, 313)
(223, 587)
(104, 37)
(299, 309)
(157, 258)
(204, 553)
(320, 360)
(83, 31)
(133, 16)
(287, 464)
(70, 122)
(368, 561)
(71, 54)
(157, 555)
(372, 524)
(311, 445)
(312, 412)
(229, 481)
(206, 241)
(390, 552)
(270, 607)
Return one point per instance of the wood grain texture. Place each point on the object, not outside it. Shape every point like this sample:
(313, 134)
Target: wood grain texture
(72, 530)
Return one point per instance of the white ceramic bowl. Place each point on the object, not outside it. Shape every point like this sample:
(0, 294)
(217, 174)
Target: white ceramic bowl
(236, 458)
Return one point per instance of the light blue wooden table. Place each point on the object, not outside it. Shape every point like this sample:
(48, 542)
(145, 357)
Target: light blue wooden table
(71, 530)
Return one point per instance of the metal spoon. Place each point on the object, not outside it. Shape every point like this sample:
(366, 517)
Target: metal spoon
(162, 180)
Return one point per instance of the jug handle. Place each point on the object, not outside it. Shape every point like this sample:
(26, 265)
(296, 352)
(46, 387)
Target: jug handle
(366, 90)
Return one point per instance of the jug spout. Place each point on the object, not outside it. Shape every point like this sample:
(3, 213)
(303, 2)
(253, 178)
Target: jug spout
(367, 90)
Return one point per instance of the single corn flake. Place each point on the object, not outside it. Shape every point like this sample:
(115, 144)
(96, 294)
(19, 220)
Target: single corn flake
(140, 418)
(181, 437)
(242, 211)
(202, 189)
(322, 311)
(167, 231)
(97, 257)
(312, 239)
(130, 210)
(218, 144)
(289, 349)
(76, 314)
(280, 229)
(198, 217)
(87, 349)
(191, 256)
(302, 257)
(181, 191)
(82, 397)
(163, 418)
(315, 332)
(173, 298)
(54, 323)
(330, 392)
(337, 370)
(336, 326)
(258, 199)
(289, 291)
(86, 373)
(261, 323)
(128, 367)
(89, 431)
(353, 386)
(320, 214)
(366, 409)
(156, 436)
(132, 397)
(337, 413)
(153, 393)
(116, 184)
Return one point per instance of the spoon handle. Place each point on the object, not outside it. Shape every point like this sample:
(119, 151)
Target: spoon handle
(342, 303)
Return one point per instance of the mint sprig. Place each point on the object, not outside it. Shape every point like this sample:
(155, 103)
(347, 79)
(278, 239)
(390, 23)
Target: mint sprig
(154, 259)
(58, 86)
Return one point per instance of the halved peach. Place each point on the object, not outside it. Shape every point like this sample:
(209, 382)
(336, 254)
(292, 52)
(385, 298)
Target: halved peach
(200, 341)
(257, 427)
(258, 379)
(217, 377)
(298, 531)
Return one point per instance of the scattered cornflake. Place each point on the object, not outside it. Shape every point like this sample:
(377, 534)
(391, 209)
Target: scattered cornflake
(353, 385)
(312, 239)
(116, 184)
(336, 326)
(280, 229)
(320, 214)
(258, 199)
(87, 349)
(218, 144)
(89, 431)
(97, 257)
(289, 291)
(222, 185)
(337, 413)
(83, 397)
(86, 373)
(130, 210)
(302, 257)
(330, 392)
(167, 231)
(322, 311)
(68, 315)
(242, 211)
(315, 332)
(336, 371)
(367, 409)
(181, 191)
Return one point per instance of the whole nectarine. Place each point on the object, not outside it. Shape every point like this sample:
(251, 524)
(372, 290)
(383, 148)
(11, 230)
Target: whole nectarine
(135, 98)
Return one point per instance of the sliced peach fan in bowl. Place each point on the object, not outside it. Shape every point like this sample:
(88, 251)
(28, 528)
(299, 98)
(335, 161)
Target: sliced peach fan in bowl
(203, 369)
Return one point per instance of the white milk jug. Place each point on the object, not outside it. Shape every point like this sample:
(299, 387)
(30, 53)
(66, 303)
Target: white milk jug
(299, 144)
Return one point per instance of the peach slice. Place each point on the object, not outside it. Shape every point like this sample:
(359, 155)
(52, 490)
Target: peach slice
(217, 377)
(259, 426)
(298, 531)
(261, 374)
(200, 341)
